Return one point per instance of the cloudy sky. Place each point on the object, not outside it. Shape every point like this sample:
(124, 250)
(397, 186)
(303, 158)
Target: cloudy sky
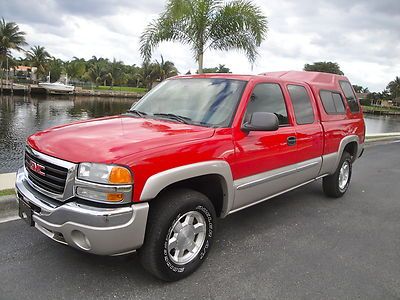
(363, 36)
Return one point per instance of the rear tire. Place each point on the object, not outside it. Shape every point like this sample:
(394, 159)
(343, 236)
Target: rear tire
(179, 234)
(336, 185)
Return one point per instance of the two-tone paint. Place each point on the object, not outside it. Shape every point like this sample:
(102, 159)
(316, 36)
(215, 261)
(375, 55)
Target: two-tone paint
(161, 152)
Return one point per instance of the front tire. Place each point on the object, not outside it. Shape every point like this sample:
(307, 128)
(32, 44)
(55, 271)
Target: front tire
(336, 185)
(179, 234)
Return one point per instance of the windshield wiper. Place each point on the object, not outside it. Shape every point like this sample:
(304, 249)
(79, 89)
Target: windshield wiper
(137, 112)
(179, 118)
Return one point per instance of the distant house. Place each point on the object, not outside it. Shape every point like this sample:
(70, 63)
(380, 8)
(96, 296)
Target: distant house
(24, 72)
(386, 103)
(396, 102)
(362, 96)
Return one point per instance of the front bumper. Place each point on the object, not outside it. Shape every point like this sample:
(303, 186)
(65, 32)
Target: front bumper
(103, 231)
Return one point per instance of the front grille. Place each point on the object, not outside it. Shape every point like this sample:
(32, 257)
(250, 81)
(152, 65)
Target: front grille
(45, 175)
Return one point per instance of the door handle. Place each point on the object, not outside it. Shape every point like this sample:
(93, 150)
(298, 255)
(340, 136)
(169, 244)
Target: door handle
(291, 140)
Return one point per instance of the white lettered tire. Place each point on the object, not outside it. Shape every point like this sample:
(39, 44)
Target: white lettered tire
(179, 234)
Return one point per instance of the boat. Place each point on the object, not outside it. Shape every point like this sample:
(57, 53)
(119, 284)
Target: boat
(57, 87)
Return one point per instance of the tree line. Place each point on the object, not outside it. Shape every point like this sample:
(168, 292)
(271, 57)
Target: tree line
(99, 71)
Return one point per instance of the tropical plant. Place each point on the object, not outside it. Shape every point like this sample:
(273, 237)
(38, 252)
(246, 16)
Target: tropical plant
(219, 69)
(97, 70)
(55, 67)
(165, 69)
(325, 67)
(207, 24)
(360, 89)
(116, 72)
(149, 74)
(38, 57)
(10, 38)
(394, 87)
(75, 68)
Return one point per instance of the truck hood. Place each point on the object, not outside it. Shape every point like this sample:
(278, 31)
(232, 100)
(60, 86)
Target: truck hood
(109, 139)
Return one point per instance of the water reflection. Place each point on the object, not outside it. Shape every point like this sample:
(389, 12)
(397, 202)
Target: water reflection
(22, 116)
(379, 124)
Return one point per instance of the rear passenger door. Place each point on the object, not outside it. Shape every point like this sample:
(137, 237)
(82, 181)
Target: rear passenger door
(309, 131)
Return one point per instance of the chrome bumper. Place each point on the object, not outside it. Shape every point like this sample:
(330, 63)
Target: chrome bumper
(103, 231)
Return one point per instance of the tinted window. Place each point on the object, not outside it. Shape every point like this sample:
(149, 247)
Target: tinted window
(350, 96)
(338, 101)
(268, 97)
(333, 103)
(302, 104)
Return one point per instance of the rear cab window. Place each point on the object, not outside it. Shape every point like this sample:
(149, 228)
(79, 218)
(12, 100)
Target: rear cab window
(332, 102)
(350, 96)
(268, 97)
(302, 106)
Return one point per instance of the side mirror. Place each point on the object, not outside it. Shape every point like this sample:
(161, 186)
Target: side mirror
(262, 121)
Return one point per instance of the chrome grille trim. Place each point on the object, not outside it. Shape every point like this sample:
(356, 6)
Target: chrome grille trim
(56, 165)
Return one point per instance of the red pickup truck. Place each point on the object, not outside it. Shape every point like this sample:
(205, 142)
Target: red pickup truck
(194, 149)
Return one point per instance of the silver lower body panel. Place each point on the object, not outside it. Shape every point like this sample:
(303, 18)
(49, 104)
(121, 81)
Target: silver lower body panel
(103, 231)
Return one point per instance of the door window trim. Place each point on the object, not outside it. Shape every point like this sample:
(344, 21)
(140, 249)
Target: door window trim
(341, 97)
(311, 103)
(284, 101)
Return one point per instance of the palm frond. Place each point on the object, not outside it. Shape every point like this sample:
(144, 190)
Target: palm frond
(239, 25)
(162, 30)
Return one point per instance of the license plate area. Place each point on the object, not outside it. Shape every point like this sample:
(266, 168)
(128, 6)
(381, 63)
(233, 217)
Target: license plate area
(25, 212)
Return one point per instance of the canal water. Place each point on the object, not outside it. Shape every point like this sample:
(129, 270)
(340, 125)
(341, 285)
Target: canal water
(22, 116)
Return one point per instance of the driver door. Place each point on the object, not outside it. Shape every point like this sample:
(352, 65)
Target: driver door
(265, 161)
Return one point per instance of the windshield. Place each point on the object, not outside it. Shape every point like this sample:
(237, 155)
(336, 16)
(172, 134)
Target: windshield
(199, 101)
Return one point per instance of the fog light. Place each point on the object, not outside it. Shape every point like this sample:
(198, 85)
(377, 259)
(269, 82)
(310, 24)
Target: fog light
(80, 239)
(99, 196)
(115, 197)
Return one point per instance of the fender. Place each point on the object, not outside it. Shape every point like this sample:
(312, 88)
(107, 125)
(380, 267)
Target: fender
(331, 160)
(157, 182)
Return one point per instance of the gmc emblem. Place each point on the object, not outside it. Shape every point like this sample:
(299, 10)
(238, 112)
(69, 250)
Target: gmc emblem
(35, 167)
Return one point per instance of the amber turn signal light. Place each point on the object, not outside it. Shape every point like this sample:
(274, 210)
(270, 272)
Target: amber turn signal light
(116, 197)
(120, 175)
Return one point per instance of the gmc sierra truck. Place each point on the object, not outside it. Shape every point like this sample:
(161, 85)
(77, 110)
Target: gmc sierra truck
(193, 149)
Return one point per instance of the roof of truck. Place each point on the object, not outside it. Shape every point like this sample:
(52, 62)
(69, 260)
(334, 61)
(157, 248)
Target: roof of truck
(313, 78)
(306, 76)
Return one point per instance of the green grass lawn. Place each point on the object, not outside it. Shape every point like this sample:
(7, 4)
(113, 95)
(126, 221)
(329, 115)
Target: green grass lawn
(121, 88)
(378, 108)
(7, 192)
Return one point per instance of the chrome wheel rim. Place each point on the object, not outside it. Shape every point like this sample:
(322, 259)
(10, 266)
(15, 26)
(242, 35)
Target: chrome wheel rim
(344, 175)
(186, 237)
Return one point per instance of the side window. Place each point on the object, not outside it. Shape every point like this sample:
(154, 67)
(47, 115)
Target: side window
(302, 104)
(333, 103)
(268, 97)
(338, 101)
(350, 96)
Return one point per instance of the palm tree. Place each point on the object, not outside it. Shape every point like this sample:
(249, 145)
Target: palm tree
(394, 87)
(10, 38)
(38, 57)
(166, 69)
(207, 24)
(75, 68)
(116, 73)
(97, 70)
(55, 67)
(150, 72)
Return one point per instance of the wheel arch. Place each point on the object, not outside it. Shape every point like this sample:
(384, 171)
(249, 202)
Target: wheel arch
(351, 144)
(212, 178)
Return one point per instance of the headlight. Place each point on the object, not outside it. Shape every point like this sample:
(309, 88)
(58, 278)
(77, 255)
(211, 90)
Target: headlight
(107, 174)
